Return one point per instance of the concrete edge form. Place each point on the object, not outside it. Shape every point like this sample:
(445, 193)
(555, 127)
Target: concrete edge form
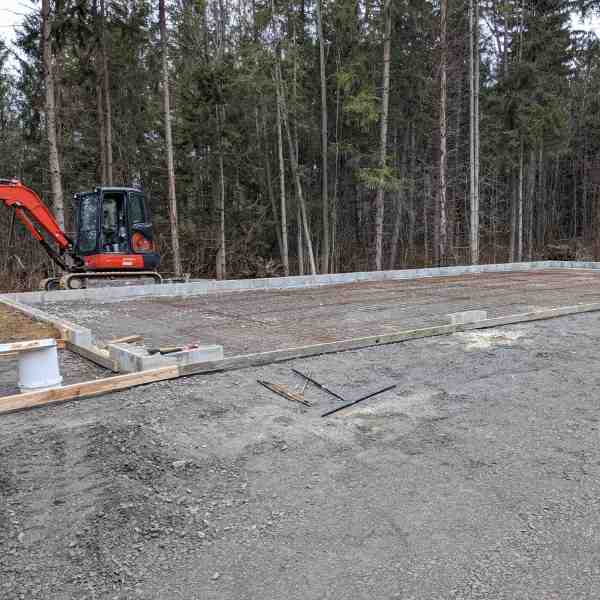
(76, 334)
(194, 288)
(132, 359)
(122, 382)
(119, 358)
(78, 339)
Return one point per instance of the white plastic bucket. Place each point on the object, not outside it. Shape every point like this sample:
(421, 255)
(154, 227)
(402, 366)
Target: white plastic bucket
(38, 367)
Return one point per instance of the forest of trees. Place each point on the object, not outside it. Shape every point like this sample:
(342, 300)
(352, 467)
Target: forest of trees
(294, 136)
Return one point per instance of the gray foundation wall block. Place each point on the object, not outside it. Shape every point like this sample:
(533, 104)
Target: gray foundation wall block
(202, 287)
(468, 316)
(131, 359)
(127, 358)
(204, 354)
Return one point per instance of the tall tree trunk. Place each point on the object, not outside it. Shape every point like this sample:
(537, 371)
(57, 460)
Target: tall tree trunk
(169, 141)
(574, 209)
(101, 132)
(542, 197)
(50, 106)
(477, 121)
(262, 140)
(383, 133)
(474, 126)
(520, 205)
(531, 172)
(295, 170)
(99, 68)
(221, 259)
(284, 232)
(324, 143)
(107, 98)
(336, 178)
(512, 251)
(299, 242)
(427, 185)
(443, 161)
(412, 215)
(221, 263)
(400, 196)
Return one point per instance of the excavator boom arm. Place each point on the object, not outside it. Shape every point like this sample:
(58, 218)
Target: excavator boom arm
(32, 212)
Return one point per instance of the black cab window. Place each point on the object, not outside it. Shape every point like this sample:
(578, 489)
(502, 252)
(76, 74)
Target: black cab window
(137, 212)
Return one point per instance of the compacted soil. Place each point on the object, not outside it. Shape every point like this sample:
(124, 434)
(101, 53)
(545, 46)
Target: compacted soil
(477, 477)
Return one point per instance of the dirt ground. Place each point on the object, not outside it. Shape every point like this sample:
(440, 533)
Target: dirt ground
(478, 477)
(255, 321)
(16, 327)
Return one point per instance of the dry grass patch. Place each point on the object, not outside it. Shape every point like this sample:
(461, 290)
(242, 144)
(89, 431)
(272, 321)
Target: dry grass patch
(16, 327)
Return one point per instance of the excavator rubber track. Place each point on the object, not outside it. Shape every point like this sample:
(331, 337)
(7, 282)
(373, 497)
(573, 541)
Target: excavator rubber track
(78, 281)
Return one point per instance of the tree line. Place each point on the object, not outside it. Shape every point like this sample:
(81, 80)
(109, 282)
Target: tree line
(278, 137)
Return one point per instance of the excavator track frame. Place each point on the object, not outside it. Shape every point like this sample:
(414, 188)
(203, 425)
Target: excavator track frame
(78, 281)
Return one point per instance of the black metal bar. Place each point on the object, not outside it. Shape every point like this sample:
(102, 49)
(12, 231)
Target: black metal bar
(387, 389)
(319, 385)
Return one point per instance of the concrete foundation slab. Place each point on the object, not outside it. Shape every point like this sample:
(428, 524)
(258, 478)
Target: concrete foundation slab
(233, 318)
(260, 321)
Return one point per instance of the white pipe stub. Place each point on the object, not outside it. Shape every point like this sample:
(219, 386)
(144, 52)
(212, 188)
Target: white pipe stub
(38, 367)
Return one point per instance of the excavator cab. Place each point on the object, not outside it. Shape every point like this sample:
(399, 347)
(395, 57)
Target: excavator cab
(113, 230)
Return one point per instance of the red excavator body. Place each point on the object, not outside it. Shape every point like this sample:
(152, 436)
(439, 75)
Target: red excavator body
(113, 233)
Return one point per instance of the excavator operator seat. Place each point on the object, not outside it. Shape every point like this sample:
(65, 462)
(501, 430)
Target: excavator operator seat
(114, 229)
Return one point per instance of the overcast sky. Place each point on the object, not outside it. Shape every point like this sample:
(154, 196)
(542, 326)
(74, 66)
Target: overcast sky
(12, 11)
(11, 14)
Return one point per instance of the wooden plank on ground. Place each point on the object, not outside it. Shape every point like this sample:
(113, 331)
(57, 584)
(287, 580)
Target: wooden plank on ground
(26, 346)
(87, 389)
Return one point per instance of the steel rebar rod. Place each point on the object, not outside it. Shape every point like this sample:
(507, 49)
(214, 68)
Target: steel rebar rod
(319, 385)
(386, 389)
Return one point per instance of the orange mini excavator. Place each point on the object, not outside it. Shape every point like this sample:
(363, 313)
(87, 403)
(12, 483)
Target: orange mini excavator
(113, 234)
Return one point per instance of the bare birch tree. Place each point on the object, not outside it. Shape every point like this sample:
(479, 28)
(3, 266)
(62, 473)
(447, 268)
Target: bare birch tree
(221, 258)
(99, 72)
(50, 109)
(295, 169)
(169, 141)
(324, 143)
(106, 96)
(520, 205)
(442, 218)
(474, 127)
(283, 208)
(383, 133)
